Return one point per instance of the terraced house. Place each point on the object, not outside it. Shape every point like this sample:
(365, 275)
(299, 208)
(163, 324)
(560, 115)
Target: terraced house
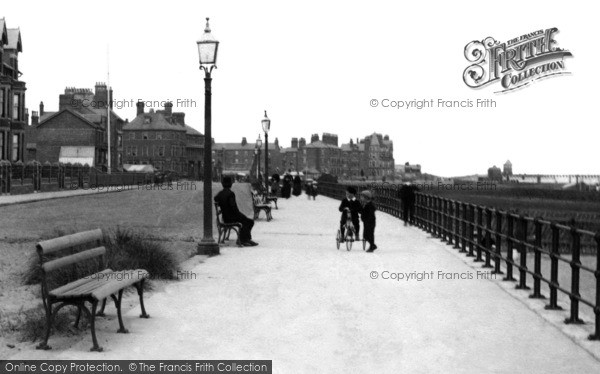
(78, 131)
(13, 115)
(162, 139)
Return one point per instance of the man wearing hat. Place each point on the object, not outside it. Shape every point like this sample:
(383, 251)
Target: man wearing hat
(231, 213)
(351, 203)
(368, 218)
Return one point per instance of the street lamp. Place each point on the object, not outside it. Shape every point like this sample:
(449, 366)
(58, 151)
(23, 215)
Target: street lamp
(266, 125)
(257, 152)
(207, 52)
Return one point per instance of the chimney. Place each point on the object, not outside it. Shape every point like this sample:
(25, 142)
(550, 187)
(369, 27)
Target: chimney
(244, 142)
(41, 108)
(35, 119)
(168, 108)
(314, 138)
(178, 118)
(294, 142)
(140, 108)
(277, 143)
(302, 143)
(101, 95)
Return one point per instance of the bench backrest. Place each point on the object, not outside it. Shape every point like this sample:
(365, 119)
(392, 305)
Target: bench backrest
(91, 238)
(257, 199)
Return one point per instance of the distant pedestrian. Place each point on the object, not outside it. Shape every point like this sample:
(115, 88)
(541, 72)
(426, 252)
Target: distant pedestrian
(286, 190)
(408, 198)
(297, 186)
(314, 190)
(368, 218)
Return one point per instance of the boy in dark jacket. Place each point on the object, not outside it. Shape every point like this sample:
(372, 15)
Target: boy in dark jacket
(368, 218)
(351, 203)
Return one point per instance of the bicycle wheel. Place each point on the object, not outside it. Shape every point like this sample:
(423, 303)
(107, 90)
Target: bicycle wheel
(349, 240)
(338, 238)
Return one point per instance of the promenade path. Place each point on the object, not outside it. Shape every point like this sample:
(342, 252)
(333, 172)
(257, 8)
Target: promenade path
(310, 308)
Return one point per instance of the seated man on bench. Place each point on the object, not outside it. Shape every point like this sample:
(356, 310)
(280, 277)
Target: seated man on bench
(231, 213)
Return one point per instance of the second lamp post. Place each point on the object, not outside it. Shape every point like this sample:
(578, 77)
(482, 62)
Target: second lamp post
(266, 125)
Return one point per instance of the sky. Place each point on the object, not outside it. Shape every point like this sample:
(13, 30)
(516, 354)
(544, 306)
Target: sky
(316, 66)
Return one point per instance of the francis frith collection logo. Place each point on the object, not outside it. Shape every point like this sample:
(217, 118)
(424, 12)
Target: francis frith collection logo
(515, 63)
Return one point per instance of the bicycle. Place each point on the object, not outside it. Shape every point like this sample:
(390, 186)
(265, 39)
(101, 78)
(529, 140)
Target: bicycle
(349, 233)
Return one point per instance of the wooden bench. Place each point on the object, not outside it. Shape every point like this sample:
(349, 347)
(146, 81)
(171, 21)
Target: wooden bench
(97, 286)
(224, 229)
(259, 204)
(270, 198)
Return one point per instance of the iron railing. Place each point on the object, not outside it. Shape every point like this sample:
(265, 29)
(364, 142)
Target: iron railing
(493, 236)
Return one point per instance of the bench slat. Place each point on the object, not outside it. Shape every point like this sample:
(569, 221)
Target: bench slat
(71, 259)
(128, 278)
(53, 245)
(73, 285)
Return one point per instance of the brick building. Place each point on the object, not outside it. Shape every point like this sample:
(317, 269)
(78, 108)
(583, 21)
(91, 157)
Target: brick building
(162, 139)
(77, 132)
(378, 156)
(370, 157)
(240, 158)
(13, 115)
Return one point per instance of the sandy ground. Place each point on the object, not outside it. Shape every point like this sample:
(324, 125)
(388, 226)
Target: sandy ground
(297, 300)
(173, 217)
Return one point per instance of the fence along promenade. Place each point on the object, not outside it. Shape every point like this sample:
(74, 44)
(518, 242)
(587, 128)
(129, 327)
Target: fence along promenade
(21, 178)
(485, 233)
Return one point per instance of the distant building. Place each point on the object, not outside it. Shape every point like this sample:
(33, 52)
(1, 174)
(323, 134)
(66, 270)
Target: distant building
(13, 114)
(162, 139)
(495, 174)
(370, 157)
(507, 170)
(240, 158)
(77, 132)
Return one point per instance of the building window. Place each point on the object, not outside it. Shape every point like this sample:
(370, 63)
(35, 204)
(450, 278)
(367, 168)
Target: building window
(134, 151)
(2, 153)
(15, 148)
(2, 102)
(159, 136)
(161, 151)
(120, 140)
(16, 107)
(145, 136)
(119, 158)
(131, 135)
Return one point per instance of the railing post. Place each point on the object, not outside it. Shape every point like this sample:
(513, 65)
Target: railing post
(456, 219)
(509, 247)
(429, 215)
(554, 255)
(449, 214)
(498, 258)
(479, 233)
(443, 219)
(434, 215)
(537, 258)
(471, 230)
(596, 334)
(464, 227)
(575, 268)
(488, 238)
(522, 237)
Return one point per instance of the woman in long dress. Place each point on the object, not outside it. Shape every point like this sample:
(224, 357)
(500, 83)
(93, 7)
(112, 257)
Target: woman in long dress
(297, 188)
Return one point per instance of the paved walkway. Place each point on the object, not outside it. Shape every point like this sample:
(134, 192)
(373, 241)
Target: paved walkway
(310, 308)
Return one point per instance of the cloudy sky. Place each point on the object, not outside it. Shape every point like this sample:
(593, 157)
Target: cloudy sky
(316, 66)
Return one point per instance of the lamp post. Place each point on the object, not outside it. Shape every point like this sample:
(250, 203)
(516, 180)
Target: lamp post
(207, 51)
(266, 125)
(257, 152)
